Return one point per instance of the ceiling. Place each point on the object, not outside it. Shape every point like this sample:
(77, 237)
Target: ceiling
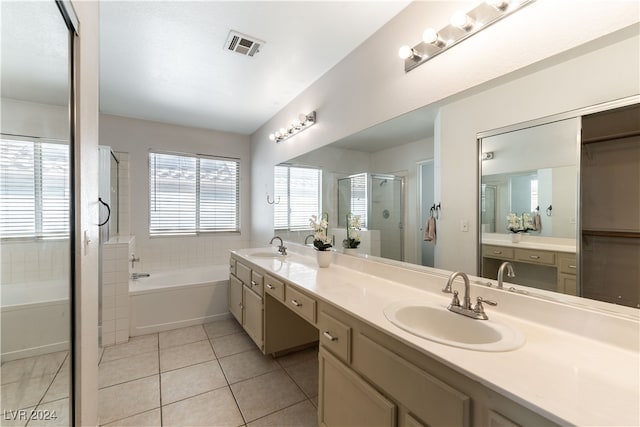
(165, 61)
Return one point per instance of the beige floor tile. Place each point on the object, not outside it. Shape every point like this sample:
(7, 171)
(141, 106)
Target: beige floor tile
(215, 408)
(220, 328)
(181, 336)
(51, 414)
(124, 400)
(146, 419)
(302, 414)
(24, 394)
(298, 357)
(185, 355)
(232, 344)
(59, 388)
(190, 381)
(305, 374)
(266, 394)
(135, 346)
(100, 353)
(247, 365)
(314, 400)
(32, 367)
(128, 369)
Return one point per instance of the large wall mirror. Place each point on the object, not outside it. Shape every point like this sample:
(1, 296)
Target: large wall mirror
(36, 213)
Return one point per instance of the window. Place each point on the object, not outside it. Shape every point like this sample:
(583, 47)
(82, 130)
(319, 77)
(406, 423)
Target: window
(298, 190)
(34, 188)
(192, 194)
(359, 197)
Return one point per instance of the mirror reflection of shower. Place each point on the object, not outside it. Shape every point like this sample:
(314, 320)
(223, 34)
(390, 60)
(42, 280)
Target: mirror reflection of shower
(379, 200)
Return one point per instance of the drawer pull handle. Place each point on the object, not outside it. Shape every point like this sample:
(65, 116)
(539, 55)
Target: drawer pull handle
(296, 303)
(270, 286)
(330, 337)
(572, 266)
(253, 283)
(534, 257)
(497, 252)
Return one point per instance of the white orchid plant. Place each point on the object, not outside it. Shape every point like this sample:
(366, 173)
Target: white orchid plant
(353, 231)
(519, 223)
(321, 240)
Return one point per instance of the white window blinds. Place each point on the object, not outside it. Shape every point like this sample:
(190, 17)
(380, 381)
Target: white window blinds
(192, 194)
(359, 197)
(34, 189)
(299, 190)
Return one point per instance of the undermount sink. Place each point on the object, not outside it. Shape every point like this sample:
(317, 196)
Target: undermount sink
(436, 323)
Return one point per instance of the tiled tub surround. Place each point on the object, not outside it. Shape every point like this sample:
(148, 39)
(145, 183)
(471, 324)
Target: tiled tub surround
(205, 375)
(579, 365)
(115, 289)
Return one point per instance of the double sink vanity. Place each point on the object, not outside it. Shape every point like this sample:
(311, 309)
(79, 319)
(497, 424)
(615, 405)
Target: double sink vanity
(391, 353)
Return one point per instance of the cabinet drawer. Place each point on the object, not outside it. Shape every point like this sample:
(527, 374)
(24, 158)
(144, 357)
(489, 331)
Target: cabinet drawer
(430, 399)
(300, 303)
(335, 336)
(500, 252)
(232, 266)
(567, 264)
(274, 287)
(256, 283)
(243, 273)
(536, 257)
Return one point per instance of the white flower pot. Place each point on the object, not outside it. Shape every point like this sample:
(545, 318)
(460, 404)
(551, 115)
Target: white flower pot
(516, 237)
(324, 258)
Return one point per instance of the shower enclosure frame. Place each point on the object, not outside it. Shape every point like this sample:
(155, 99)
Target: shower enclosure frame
(369, 208)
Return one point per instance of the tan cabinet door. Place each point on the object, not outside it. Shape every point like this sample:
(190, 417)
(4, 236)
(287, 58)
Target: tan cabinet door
(253, 315)
(235, 298)
(346, 400)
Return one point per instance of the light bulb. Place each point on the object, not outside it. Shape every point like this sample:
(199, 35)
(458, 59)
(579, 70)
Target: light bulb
(430, 36)
(461, 20)
(302, 118)
(272, 137)
(405, 52)
(499, 4)
(283, 131)
(278, 135)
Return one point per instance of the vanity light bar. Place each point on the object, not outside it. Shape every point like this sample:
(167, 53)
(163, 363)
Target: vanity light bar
(462, 26)
(304, 121)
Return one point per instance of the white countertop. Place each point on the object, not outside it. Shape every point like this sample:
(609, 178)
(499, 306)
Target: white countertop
(563, 374)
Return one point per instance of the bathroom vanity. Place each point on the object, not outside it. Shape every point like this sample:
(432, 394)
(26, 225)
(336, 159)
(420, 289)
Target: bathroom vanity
(372, 372)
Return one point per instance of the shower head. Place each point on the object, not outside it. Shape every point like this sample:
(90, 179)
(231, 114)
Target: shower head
(383, 182)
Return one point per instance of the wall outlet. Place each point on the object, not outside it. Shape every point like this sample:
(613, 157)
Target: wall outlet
(464, 225)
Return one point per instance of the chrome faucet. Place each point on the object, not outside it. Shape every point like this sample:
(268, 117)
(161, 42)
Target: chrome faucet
(281, 248)
(466, 309)
(510, 272)
(133, 260)
(306, 239)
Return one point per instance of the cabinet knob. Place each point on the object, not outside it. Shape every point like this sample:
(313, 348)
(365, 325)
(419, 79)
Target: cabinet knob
(497, 252)
(253, 283)
(330, 337)
(534, 257)
(270, 286)
(296, 303)
(572, 266)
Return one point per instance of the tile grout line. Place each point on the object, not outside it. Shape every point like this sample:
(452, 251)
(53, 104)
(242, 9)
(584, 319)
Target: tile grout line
(160, 381)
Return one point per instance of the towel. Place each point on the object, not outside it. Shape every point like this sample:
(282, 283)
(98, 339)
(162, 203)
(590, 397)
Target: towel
(537, 222)
(430, 230)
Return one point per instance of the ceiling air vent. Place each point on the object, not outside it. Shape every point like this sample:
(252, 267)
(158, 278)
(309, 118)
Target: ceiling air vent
(243, 44)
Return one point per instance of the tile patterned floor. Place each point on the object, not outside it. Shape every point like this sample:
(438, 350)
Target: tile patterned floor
(205, 375)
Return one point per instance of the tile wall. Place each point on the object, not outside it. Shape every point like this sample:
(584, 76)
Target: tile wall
(33, 261)
(124, 199)
(115, 290)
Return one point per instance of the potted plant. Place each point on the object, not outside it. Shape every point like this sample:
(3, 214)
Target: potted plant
(321, 240)
(517, 224)
(351, 243)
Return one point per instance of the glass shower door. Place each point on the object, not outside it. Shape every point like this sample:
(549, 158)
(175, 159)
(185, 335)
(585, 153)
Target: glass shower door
(387, 214)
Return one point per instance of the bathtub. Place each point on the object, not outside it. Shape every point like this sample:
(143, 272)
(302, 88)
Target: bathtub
(178, 298)
(26, 307)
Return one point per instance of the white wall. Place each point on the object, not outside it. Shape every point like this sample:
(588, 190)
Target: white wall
(370, 86)
(137, 137)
